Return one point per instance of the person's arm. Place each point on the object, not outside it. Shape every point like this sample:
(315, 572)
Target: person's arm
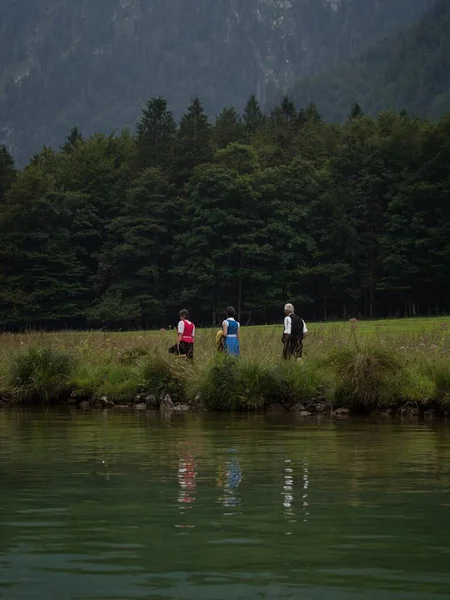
(305, 330)
(180, 331)
(193, 333)
(238, 331)
(225, 328)
(287, 329)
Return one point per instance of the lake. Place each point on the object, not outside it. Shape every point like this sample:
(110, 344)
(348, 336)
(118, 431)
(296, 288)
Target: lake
(124, 506)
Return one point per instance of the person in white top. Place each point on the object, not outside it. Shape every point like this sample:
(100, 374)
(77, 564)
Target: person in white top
(185, 337)
(294, 332)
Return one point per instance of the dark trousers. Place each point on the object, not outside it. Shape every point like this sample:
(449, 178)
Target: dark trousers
(186, 349)
(293, 348)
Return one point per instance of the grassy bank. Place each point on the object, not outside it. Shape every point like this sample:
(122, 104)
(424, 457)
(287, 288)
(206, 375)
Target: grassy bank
(401, 365)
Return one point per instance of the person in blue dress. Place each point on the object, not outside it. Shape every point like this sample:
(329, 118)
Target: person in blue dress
(230, 332)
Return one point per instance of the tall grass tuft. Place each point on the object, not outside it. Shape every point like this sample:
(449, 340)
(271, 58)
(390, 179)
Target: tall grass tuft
(40, 374)
(364, 377)
(236, 384)
(303, 381)
(160, 376)
(118, 384)
(439, 372)
(115, 381)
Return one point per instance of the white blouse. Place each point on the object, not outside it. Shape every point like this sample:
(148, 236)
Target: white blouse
(288, 326)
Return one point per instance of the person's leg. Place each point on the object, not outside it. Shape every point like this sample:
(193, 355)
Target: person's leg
(187, 350)
(298, 353)
(287, 351)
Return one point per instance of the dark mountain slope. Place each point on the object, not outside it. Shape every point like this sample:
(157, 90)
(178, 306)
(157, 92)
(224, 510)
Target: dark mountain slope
(94, 63)
(408, 71)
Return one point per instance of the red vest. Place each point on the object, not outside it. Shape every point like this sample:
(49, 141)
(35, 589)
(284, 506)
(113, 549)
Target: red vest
(188, 331)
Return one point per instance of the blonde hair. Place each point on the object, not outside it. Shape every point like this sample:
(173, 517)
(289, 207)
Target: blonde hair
(289, 308)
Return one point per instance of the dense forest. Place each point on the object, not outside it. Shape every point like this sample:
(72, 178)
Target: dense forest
(407, 71)
(253, 210)
(94, 63)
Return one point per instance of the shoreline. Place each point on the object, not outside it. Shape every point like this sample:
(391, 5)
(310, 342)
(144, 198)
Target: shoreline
(343, 370)
(165, 405)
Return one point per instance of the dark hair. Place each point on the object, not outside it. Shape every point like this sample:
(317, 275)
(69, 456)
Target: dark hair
(184, 313)
(229, 311)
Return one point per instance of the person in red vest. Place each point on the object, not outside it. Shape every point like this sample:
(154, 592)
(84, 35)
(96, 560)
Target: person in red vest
(186, 335)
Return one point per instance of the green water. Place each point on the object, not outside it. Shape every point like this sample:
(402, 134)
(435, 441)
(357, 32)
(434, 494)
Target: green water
(130, 506)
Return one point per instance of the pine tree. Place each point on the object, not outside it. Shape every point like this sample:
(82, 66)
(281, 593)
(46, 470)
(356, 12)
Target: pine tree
(253, 116)
(133, 265)
(356, 111)
(194, 144)
(288, 108)
(41, 275)
(75, 137)
(7, 171)
(155, 135)
(227, 128)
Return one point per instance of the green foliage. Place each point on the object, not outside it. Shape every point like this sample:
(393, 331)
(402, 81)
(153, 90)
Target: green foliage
(7, 172)
(303, 382)
(115, 381)
(364, 377)
(40, 375)
(118, 231)
(232, 384)
(160, 376)
(131, 356)
(156, 135)
(117, 384)
(439, 373)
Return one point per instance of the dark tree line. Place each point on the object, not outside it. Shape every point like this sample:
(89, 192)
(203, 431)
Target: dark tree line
(253, 210)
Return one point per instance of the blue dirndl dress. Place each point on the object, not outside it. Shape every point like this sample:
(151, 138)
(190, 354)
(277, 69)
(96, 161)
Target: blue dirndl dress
(231, 341)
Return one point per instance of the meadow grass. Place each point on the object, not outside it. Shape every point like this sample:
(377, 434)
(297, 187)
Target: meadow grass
(363, 366)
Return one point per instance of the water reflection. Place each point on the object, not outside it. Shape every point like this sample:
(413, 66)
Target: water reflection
(221, 507)
(187, 472)
(289, 488)
(305, 503)
(229, 477)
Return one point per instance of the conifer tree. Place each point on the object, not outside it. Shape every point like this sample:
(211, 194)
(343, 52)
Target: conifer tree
(132, 276)
(227, 128)
(42, 278)
(75, 137)
(7, 171)
(194, 144)
(155, 135)
(253, 116)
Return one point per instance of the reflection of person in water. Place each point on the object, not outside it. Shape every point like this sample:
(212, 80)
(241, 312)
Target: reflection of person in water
(230, 477)
(186, 479)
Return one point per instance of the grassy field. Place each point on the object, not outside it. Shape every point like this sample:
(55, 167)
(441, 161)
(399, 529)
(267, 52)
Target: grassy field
(370, 364)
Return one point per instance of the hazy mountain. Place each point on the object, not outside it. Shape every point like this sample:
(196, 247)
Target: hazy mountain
(407, 71)
(93, 63)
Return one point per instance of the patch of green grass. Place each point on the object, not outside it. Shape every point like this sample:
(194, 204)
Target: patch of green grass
(365, 377)
(118, 385)
(304, 381)
(439, 372)
(417, 386)
(160, 376)
(360, 365)
(40, 374)
(237, 384)
(131, 356)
